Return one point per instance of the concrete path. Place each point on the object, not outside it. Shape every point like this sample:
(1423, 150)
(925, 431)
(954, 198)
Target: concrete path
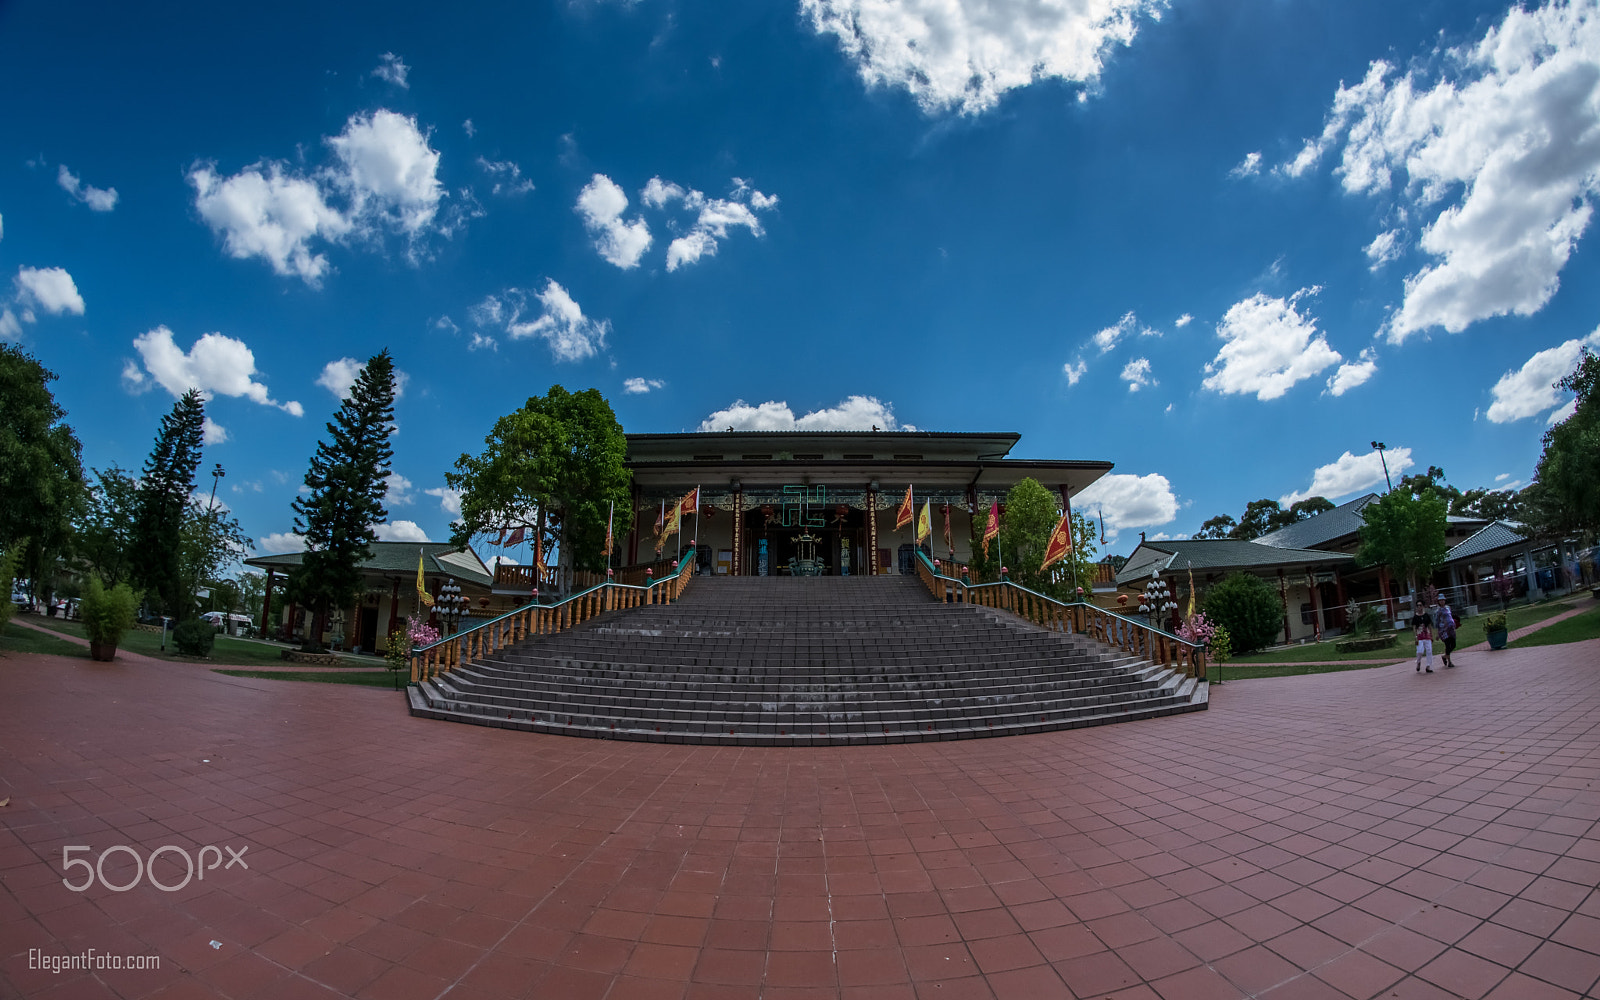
(1364, 834)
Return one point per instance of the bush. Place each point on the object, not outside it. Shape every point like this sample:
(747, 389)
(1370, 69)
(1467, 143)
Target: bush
(1495, 622)
(1245, 606)
(1370, 621)
(193, 637)
(106, 613)
(1220, 649)
(8, 571)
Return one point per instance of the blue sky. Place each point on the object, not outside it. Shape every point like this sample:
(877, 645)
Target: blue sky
(1223, 244)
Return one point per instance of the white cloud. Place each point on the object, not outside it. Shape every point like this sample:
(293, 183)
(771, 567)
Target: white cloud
(856, 413)
(400, 531)
(1129, 501)
(1247, 167)
(658, 193)
(49, 288)
(716, 216)
(1557, 416)
(967, 53)
(1385, 247)
(507, 176)
(572, 336)
(449, 499)
(213, 432)
(469, 128)
(1183, 321)
(1107, 339)
(216, 365)
(481, 342)
(392, 70)
(1498, 143)
(1502, 477)
(1074, 370)
(251, 485)
(98, 199)
(601, 204)
(1268, 347)
(641, 385)
(1351, 474)
(1530, 390)
(280, 542)
(261, 212)
(9, 327)
(2, 227)
(1353, 373)
(385, 176)
(1137, 374)
(339, 375)
(397, 489)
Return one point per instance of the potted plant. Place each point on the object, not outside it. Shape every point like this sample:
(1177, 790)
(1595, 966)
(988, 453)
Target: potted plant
(1494, 629)
(106, 615)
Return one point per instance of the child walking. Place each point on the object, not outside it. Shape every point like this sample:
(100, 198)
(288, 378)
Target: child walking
(1425, 640)
(1445, 624)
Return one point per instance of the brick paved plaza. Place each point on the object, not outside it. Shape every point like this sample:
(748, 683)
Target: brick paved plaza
(1376, 833)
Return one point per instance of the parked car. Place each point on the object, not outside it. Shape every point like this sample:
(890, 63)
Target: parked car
(232, 624)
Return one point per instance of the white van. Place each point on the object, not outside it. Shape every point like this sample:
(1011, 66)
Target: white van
(232, 624)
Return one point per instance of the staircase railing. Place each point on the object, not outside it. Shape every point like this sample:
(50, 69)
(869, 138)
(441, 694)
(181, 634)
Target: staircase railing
(1130, 635)
(487, 637)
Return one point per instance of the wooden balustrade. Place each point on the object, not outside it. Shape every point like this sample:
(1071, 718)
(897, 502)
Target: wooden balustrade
(487, 638)
(1133, 637)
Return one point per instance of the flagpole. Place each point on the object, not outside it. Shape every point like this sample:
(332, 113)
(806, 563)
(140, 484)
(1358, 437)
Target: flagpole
(697, 499)
(1072, 543)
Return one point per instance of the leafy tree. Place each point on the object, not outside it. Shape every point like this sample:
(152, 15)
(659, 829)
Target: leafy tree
(41, 472)
(163, 502)
(1431, 481)
(1568, 473)
(1116, 562)
(251, 589)
(1221, 526)
(1308, 508)
(211, 539)
(345, 487)
(1405, 533)
(104, 534)
(1246, 606)
(8, 567)
(562, 454)
(1491, 505)
(1031, 512)
(1260, 517)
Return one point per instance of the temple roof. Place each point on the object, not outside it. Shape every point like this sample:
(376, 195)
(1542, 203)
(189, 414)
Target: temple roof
(400, 559)
(1180, 555)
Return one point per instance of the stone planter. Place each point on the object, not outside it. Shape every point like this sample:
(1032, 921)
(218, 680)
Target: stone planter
(1497, 639)
(104, 652)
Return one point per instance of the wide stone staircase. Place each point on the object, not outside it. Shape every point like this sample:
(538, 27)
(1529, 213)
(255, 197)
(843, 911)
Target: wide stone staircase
(805, 662)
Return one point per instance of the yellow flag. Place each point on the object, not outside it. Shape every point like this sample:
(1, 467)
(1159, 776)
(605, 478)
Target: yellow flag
(422, 591)
(1191, 593)
(925, 521)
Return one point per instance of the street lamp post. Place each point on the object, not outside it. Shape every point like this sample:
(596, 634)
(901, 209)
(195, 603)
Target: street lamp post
(450, 606)
(1380, 446)
(211, 516)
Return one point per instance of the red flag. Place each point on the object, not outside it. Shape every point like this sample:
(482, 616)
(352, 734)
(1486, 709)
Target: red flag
(515, 539)
(948, 544)
(992, 529)
(611, 517)
(661, 521)
(906, 512)
(690, 504)
(1060, 543)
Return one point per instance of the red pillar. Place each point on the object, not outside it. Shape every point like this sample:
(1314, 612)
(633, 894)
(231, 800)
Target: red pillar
(266, 602)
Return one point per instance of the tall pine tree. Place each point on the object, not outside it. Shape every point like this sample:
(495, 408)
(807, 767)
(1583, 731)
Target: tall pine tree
(345, 486)
(163, 500)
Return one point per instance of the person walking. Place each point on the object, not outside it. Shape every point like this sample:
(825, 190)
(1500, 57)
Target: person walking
(1444, 626)
(1424, 623)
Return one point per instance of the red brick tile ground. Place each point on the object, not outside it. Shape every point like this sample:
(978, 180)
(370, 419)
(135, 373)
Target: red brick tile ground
(1371, 834)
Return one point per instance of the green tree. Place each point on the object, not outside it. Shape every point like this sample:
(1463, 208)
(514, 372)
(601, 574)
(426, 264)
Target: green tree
(104, 534)
(1260, 517)
(163, 500)
(1308, 508)
(1246, 606)
(1568, 473)
(41, 471)
(1221, 526)
(1491, 505)
(1030, 515)
(1404, 532)
(558, 461)
(345, 487)
(211, 539)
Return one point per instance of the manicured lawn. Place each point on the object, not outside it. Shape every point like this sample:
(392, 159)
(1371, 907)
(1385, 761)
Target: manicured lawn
(16, 639)
(1574, 629)
(226, 649)
(364, 678)
(1245, 671)
(1469, 632)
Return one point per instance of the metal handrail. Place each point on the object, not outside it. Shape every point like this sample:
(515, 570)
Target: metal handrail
(1080, 617)
(517, 624)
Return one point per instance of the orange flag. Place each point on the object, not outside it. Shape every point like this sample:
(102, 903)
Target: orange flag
(992, 529)
(690, 504)
(1060, 543)
(669, 529)
(906, 512)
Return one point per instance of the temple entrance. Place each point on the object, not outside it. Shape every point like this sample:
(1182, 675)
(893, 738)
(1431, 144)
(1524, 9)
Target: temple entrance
(834, 547)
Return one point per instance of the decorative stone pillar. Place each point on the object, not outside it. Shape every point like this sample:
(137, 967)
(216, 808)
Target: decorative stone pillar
(872, 532)
(737, 569)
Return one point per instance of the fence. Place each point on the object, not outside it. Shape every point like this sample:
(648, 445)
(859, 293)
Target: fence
(495, 634)
(1133, 637)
